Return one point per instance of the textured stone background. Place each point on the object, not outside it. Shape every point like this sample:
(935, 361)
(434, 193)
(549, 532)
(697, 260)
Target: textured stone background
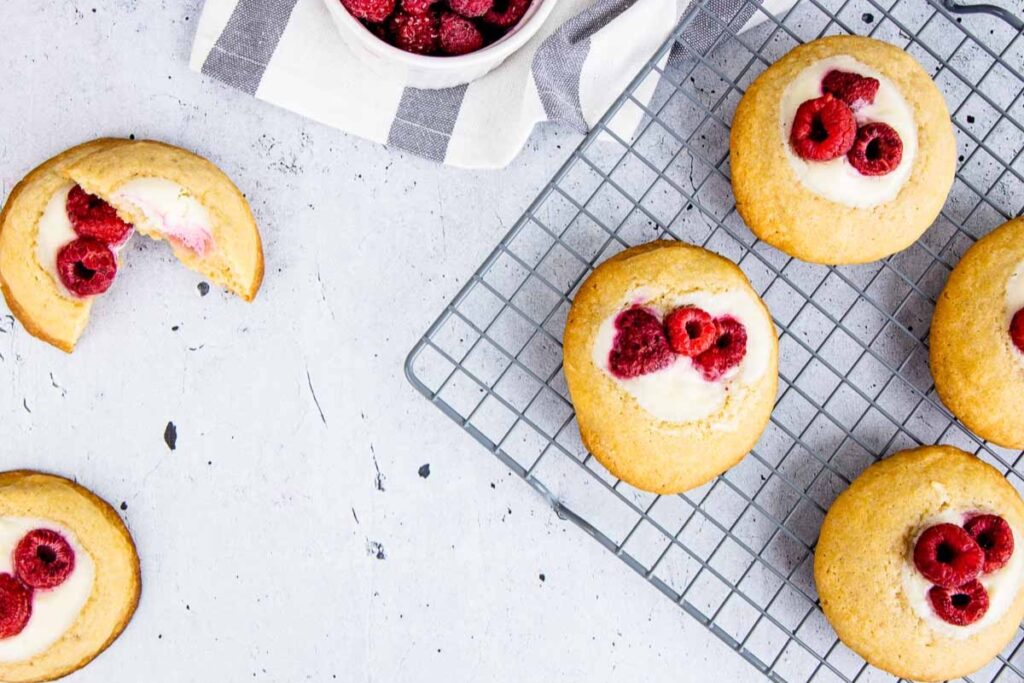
(290, 535)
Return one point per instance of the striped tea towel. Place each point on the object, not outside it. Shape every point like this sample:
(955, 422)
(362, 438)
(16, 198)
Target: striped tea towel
(288, 52)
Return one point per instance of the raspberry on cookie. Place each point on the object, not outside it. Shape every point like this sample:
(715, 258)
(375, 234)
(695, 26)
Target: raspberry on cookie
(69, 576)
(916, 566)
(672, 364)
(853, 89)
(823, 129)
(976, 342)
(824, 151)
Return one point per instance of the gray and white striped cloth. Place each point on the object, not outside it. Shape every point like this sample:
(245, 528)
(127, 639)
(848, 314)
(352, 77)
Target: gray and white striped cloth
(288, 53)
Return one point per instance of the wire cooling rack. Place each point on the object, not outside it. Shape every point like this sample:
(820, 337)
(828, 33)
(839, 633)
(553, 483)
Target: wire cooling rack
(737, 553)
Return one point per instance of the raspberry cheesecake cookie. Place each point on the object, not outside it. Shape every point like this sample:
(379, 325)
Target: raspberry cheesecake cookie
(842, 151)
(64, 225)
(920, 563)
(69, 576)
(672, 364)
(977, 338)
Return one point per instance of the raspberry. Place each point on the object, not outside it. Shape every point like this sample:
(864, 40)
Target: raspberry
(416, 33)
(876, 150)
(471, 8)
(1017, 330)
(640, 345)
(371, 10)
(728, 349)
(459, 36)
(15, 605)
(506, 13)
(959, 606)
(691, 331)
(994, 536)
(43, 559)
(92, 217)
(86, 266)
(416, 6)
(379, 30)
(854, 89)
(823, 129)
(947, 556)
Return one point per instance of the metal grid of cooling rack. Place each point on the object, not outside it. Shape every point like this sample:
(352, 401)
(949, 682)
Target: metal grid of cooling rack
(736, 554)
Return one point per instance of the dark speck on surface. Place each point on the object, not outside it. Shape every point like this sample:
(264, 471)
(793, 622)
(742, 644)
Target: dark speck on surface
(867, 17)
(425, 470)
(204, 288)
(171, 436)
(378, 480)
(543, 578)
(375, 549)
(124, 505)
(175, 328)
(970, 119)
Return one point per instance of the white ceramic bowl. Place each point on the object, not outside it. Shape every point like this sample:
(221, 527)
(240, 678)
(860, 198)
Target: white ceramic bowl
(420, 71)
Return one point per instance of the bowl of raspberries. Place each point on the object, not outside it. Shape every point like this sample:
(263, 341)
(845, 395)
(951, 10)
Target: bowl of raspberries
(437, 43)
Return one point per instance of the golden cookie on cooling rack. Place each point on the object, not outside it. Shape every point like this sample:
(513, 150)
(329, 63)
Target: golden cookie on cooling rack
(671, 360)
(842, 151)
(64, 225)
(69, 576)
(977, 337)
(920, 562)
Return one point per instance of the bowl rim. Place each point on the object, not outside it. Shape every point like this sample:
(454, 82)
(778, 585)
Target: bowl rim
(520, 34)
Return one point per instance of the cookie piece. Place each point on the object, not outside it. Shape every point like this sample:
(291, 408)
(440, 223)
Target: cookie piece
(977, 366)
(73, 553)
(874, 544)
(663, 420)
(32, 291)
(170, 193)
(843, 210)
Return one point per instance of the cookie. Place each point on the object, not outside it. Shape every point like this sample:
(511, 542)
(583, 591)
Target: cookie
(842, 151)
(919, 564)
(671, 360)
(63, 227)
(69, 576)
(976, 359)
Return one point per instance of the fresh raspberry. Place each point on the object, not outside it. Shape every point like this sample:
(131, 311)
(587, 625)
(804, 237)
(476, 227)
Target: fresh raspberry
(691, 331)
(416, 6)
(371, 10)
(947, 556)
(379, 30)
(416, 33)
(92, 217)
(728, 349)
(43, 559)
(994, 536)
(640, 345)
(15, 605)
(854, 89)
(823, 129)
(876, 150)
(506, 13)
(471, 8)
(1017, 330)
(86, 266)
(959, 606)
(459, 36)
